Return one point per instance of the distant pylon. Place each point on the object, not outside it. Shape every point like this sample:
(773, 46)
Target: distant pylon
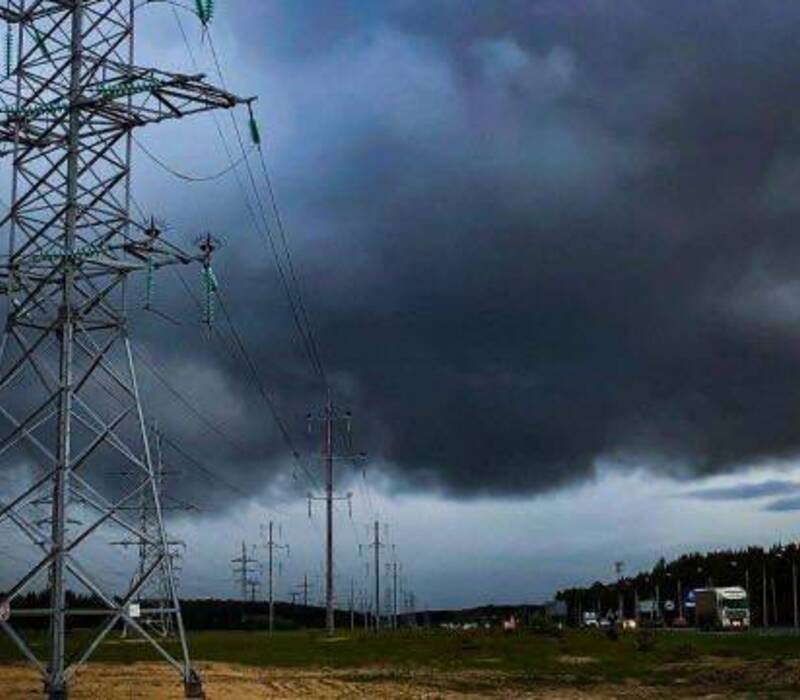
(246, 570)
(272, 547)
(156, 592)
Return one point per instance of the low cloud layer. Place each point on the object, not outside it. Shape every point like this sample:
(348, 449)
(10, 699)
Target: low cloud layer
(533, 235)
(746, 491)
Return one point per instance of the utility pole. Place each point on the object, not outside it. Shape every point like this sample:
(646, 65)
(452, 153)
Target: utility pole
(794, 595)
(352, 605)
(365, 608)
(618, 568)
(247, 572)
(658, 601)
(775, 620)
(377, 544)
(394, 594)
(271, 545)
(765, 610)
(329, 418)
(73, 98)
(393, 571)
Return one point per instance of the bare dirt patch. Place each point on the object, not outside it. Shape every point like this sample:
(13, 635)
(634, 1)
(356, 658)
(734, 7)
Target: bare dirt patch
(143, 681)
(229, 682)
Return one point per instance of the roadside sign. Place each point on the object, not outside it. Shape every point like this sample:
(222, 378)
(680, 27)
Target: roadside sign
(135, 610)
(648, 607)
(669, 606)
(5, 610)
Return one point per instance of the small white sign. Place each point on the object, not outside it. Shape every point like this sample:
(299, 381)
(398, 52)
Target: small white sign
(135, 610)
(5, 610)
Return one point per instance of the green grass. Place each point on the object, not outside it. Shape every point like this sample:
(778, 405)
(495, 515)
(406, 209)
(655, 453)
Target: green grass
(675, 657)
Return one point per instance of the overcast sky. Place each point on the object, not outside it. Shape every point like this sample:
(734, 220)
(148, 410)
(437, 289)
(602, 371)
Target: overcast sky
(549, 248)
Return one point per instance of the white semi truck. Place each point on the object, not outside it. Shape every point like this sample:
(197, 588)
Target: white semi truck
(722, 608)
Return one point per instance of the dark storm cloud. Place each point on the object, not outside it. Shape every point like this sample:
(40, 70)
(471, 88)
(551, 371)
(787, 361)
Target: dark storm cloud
(534, 236)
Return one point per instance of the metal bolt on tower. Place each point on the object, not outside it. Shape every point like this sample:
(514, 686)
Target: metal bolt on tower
(69, 102)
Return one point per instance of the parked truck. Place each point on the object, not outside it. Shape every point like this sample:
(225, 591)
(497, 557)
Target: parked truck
(722, 608)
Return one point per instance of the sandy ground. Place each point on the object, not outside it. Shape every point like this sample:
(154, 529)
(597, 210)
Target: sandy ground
(227, 682)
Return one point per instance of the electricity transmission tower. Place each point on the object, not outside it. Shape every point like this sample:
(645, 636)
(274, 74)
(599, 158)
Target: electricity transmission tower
(271, 546)
(330, 418)
(248, 573)
(69, 103)
(156, 591)
(303, 588)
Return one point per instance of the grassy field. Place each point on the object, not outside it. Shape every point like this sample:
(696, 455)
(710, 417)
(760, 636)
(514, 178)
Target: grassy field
(679, 663)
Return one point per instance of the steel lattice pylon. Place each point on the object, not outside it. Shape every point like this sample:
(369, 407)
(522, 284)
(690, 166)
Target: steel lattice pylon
(68, 389)
(154, 598)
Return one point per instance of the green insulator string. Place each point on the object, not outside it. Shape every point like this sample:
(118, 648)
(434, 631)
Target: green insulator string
(205, 10)
(148, 285)
(255, 134)
(210, 287)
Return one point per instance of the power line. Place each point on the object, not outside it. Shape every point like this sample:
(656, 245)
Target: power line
(183, 176)
(205, 420)
(197, 464)
(295, 299)
(263, 227)
(290, 264)
(311, 347)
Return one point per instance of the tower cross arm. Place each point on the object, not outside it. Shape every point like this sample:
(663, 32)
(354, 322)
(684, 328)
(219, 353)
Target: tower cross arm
(16, 12)
(133, 98)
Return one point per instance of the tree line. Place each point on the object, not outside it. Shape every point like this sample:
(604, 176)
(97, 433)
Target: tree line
(769, 575)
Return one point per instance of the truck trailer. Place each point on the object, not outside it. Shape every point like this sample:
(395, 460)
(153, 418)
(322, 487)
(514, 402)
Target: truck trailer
(722, 608)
